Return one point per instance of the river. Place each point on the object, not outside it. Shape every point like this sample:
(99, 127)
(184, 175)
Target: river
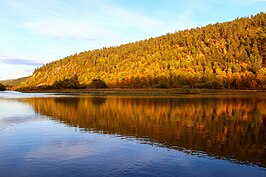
(83, 135)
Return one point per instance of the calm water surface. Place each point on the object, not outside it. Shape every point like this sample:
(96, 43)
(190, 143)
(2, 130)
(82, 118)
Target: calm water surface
(81, 135)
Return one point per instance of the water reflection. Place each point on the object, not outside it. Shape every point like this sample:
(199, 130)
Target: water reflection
(226, 127)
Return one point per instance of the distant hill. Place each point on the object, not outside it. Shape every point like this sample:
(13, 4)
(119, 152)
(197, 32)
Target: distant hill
(14, 82)
(222, 55)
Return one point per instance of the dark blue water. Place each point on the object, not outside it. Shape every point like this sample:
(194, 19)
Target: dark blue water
(124, 136)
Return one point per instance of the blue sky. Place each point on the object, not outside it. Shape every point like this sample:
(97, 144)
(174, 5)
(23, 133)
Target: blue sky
(35, 32)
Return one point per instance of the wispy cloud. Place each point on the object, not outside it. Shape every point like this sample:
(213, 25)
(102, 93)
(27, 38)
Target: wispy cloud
(19, 61)
(100, 20)
(60, 29)
(124, 18)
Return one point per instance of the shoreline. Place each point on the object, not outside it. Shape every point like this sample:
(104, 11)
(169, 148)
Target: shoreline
(148, 92)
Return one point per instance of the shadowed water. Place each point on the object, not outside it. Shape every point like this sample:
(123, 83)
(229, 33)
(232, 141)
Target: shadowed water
(200, 135)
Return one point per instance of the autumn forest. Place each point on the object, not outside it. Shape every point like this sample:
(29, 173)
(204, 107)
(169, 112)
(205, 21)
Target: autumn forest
(230, 55)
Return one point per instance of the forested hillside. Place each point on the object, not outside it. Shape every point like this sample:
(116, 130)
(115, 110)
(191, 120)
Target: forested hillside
(224, 55)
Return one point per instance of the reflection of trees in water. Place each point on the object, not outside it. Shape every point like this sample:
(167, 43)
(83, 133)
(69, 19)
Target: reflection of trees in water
(98, 100)
(71, 101)
(227, 127)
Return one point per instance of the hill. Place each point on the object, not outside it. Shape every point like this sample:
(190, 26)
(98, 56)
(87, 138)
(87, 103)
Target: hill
(222, 55)
(14, 82)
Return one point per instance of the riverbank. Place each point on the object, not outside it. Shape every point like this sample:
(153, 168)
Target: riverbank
(152, 92)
